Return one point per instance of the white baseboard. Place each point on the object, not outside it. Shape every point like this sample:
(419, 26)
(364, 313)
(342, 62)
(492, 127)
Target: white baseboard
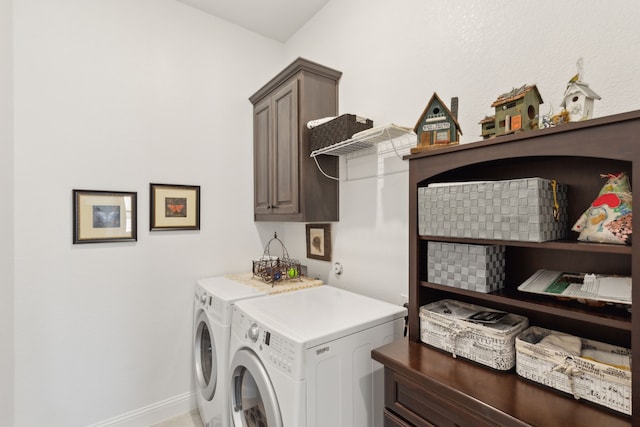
(154, 413)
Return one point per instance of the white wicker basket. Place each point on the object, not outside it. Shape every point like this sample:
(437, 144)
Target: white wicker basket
(584, 378)
(445, 325)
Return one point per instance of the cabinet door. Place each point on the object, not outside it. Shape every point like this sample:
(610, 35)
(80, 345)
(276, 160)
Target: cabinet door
(262, 130)
(285, 196)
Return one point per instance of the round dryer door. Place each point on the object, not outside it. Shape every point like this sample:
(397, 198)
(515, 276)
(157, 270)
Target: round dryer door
(205, 352)
(253, 400)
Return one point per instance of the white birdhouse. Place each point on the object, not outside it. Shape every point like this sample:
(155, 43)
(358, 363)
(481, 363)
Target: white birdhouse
(578, 100)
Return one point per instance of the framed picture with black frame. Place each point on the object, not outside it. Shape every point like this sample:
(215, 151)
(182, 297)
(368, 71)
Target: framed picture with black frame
(104, 216)
(319, 241)
(174, 207)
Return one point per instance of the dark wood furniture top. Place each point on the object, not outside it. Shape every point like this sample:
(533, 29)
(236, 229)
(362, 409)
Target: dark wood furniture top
(500, 398)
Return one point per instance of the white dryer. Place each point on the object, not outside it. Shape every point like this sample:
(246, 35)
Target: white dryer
(214, 299)
(304, 359)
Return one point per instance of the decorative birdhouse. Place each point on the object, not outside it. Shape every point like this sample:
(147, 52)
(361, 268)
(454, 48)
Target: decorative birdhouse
(517, 110)
(578, 100)
(438, 126)
(488, 127)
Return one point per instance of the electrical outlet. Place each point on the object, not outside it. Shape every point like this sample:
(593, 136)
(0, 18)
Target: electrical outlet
(404, 299)
(337, 268)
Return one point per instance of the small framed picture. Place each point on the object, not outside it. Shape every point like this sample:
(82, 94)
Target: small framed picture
(174, 207)
(104, 216)
(319, 241)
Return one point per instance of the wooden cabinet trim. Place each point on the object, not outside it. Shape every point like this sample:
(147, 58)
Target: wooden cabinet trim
(300, 64)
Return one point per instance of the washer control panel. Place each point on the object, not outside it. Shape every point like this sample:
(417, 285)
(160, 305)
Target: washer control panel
(274, 349)
(253, 333)
(280, 352)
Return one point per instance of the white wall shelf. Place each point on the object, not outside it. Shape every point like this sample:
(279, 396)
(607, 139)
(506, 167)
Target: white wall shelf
(363, 140)
(379, 141)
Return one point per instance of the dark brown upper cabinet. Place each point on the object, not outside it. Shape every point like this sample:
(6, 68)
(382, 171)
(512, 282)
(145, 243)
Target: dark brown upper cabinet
(288, 185)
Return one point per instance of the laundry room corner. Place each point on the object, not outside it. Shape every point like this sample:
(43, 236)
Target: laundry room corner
(111, 97)
(103, 330)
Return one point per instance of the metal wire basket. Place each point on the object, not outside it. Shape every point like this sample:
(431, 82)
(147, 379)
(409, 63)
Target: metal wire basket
(273, 269)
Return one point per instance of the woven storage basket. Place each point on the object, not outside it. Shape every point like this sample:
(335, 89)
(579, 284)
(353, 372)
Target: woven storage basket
(337, 130)
(517, 209)
(445, 325)
(582, 377)
(478, 268)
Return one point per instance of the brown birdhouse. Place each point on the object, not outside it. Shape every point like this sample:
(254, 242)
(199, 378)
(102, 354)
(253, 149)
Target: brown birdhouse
(438, 126)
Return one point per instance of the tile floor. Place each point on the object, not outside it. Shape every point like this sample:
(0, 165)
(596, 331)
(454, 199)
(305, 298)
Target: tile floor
(190, 419)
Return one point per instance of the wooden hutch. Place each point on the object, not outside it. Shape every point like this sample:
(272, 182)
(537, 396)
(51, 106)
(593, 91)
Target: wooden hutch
(425, 386)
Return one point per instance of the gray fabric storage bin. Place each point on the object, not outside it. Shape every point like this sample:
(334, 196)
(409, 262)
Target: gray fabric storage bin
(478, 268)
(518, 209)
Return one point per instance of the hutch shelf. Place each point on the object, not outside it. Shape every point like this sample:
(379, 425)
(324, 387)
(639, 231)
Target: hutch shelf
(425, 386)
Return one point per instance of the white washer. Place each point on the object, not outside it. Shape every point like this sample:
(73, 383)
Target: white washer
(214, 298)
(304, 359)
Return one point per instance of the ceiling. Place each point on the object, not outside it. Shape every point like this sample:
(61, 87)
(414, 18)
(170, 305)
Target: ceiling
(275, 19)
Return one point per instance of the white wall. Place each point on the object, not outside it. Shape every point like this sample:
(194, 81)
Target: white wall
(113, 95)
(395, 55)
(6, 214)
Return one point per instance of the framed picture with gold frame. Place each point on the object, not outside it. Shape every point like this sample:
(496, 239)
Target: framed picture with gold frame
(104, 216)
(319, 241)
(174, 207)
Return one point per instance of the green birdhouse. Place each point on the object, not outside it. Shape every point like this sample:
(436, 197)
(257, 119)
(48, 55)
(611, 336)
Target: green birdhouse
(516, 110)
(438, 125)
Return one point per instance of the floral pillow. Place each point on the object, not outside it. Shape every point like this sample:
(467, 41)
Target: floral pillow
(608, 219)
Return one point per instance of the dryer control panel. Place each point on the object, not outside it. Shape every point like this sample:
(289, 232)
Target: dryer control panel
(210, 303)
(274, 349)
